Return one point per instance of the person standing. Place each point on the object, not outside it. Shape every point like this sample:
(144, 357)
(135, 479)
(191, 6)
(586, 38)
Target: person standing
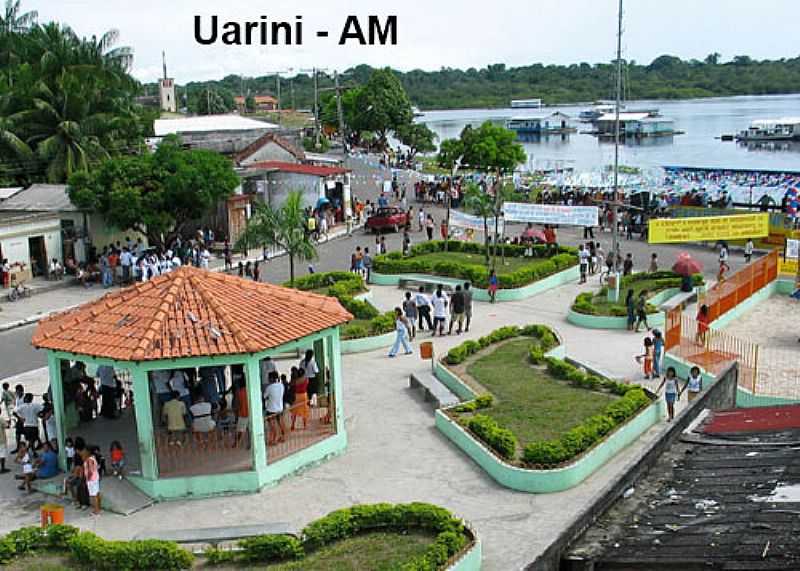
(309, 365)
(658, 352)
(439, 302)
(28, 414)
(671, 393)
(429, 224)
(256, 271)
(493, 283)
(467, 305)
(108, 391)
(748, 251)
(91, 473)
(703, 322)
(456, 311)
(366, 261)
(627, 265)
(406, 243)
(583, 260)
(401, 330)
(273, 398)
(630, 308)
(694, 383)
(641, 311)
(411, 313)
(421, 218)
(653, 263)
(423, 304)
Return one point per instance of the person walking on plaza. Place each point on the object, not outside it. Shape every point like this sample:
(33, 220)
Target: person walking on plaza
(423, 304)
(627, 265)
(653, 263)
(583, 261)
(630, 308)
(429, 224)
(366, 262)
(703, 322)
(641, 311)
(646, 358)
(421, 218)
(671, 392)
(311, 369)
(748, 251)
(493, 282)
(467, 305)
(658, 352)
(439, 302)
(694, 384)
(456, 311)
(411, 313)
(401, 329)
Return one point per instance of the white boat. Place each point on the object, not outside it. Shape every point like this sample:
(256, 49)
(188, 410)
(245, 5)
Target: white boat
(550, 124)
(782, 129)
(596, 111)
(526, 103)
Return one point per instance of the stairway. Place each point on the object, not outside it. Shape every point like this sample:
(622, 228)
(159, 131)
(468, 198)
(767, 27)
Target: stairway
(433, 390)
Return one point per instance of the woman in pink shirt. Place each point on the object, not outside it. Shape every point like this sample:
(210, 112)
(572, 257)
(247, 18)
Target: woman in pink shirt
(91, 472)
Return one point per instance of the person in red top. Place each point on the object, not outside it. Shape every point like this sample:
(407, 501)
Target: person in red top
(300, 407)
(703, 321)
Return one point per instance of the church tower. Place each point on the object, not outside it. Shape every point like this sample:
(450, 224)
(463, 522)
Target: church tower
(166, 89)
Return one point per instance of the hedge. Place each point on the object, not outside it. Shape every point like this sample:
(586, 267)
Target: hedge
(499, 439)
(547, 340)
(94, 552)
(396, 263)
(584, 302)
(378, 325)
(451, 538)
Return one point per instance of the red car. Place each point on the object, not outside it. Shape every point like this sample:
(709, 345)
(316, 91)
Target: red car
(388, 217)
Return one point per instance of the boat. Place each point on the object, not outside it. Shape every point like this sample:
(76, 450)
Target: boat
(526, 103)
(416, 111)
(595, 111)
(634, 124)
(550, 124)
(782, 129)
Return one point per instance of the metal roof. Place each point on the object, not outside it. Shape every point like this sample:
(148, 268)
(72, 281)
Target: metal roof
(6, 193)
(40, 198)
(779, 121)
(624, 117)
(208, 123)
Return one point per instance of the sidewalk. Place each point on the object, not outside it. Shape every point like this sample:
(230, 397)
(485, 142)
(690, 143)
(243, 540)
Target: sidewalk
(395, 453)
(55, 296)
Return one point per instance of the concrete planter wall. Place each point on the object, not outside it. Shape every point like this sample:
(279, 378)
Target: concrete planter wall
(558, 479)
(479, 294)
(614, 322)
(364, 344)
(470, 560)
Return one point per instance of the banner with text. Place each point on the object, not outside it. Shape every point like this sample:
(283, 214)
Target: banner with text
(708, 229)
(792, 249)
(463, 220)
(551, 214)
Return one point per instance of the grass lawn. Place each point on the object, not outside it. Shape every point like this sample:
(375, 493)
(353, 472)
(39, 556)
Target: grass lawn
(377, 551)
(527, 400)
(511, 265)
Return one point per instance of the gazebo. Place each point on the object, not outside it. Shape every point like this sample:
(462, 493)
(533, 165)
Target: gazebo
(216, 330)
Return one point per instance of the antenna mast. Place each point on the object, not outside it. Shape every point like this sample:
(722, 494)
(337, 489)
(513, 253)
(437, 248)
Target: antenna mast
(614, 210)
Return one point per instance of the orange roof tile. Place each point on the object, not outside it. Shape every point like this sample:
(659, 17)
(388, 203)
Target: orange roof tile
(189, 313)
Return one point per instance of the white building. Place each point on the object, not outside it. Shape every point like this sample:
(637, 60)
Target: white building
(166, 90)
(227, 134)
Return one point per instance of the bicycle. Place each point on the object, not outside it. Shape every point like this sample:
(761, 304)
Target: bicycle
(19, 291)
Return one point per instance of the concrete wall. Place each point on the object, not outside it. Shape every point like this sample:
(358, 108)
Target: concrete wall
(717, 395)
(225, 142)
(14, 239)
(280, 184)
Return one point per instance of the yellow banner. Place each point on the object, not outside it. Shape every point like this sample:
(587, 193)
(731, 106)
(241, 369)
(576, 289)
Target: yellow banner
(708, 228)
(787, 266)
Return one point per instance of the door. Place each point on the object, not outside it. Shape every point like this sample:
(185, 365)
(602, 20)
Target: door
(38, 254)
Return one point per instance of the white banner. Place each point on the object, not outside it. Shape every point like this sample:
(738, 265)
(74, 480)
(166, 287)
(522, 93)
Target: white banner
(792, 249)
(462, 220)
(551, 214)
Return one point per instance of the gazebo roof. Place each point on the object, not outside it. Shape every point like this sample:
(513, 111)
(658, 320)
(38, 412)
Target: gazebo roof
(189, 313)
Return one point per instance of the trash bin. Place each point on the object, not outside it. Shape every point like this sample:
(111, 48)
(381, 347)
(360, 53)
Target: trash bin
(52, 514)
(426, 349)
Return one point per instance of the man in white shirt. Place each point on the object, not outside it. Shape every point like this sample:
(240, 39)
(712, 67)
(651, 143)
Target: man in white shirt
(273, 400)
(423, 304)
(266, 366)
(205, 256)
(439, 302)
(126, 261)
(28, 413)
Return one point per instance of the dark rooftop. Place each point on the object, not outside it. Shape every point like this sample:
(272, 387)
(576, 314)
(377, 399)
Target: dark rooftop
(725, 497)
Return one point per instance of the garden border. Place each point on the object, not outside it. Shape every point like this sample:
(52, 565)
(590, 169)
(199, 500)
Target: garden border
(657, 319)
(479, 294)
(539, 481)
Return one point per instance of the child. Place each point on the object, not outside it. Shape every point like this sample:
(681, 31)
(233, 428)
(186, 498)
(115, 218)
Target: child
(24, 458)
(493, 286)
(647, 357)
(695, 383)
(117, 458)
(69, 450)
(7, 399)
(671, 393)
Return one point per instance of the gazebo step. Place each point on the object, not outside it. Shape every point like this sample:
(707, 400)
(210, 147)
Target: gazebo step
(117, 496)
(214, 535)
(433, 389)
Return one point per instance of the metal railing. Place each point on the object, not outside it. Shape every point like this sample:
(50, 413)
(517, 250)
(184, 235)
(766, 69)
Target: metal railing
(727, 294)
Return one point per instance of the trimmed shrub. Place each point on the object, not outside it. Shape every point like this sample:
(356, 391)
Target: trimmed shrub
(270, 549)
(501, 440)
(98, 553)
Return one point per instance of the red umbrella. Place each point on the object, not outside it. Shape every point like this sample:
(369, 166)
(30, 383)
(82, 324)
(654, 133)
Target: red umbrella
(686, 265)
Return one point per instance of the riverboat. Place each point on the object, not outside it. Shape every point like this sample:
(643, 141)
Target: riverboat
(551, 124)
(783, 129)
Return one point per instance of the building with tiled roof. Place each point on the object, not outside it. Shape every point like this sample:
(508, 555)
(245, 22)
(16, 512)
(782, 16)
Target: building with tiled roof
(202, 339)
(269, 147)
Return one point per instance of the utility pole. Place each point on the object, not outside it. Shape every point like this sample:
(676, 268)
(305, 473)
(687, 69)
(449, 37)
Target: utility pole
(278, 84)
(614, 210)
(339, 111)
(316, 111)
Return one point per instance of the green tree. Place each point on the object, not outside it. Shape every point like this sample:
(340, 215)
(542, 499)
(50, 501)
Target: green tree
(210, 101)
(283, 227)
(417, 137)
(156, 194)
(480, 203)
(250, 104)
(383, 105)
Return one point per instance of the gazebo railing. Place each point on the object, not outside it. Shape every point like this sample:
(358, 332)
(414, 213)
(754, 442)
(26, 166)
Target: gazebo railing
(320, 426)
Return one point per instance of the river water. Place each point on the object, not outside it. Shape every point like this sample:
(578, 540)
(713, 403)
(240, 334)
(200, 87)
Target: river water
(701, 119)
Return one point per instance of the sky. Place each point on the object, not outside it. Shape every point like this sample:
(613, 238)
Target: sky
(433, 34)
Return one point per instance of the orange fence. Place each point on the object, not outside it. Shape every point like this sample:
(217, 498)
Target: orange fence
(729, 293)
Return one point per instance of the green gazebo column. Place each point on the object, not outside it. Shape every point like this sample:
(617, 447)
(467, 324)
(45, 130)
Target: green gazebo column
(144, 423)
(336, 379)
(253, 378)
(57, 390)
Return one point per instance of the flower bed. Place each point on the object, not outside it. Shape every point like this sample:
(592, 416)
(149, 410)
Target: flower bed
(450, 539)
(588, 303)
(544, 437)
(345, 286)
(425, 259)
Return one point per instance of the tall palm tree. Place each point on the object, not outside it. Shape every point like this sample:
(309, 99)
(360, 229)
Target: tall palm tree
(14, 22)
(284, 227)
(9, 139)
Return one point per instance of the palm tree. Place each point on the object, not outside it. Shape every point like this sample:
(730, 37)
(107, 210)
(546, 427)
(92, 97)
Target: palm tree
(283, 228)
(12, 22)
(480, 204)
